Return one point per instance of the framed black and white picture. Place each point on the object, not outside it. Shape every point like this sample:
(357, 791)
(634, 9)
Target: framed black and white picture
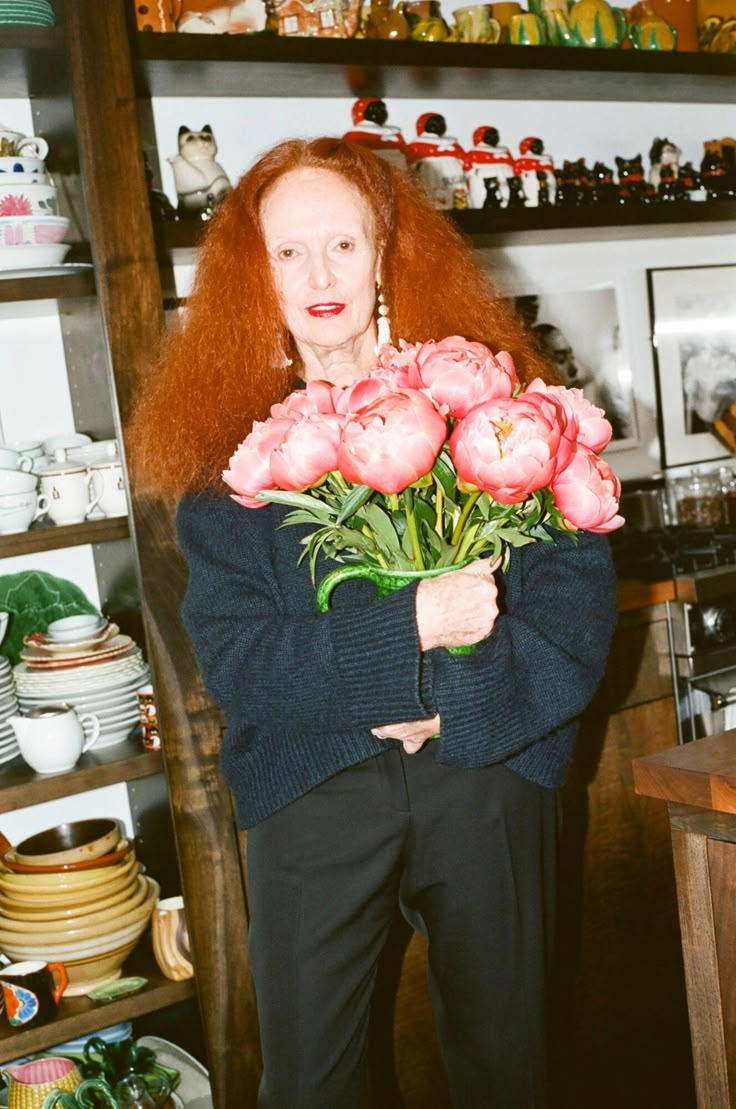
(693, 312)
(580, 332)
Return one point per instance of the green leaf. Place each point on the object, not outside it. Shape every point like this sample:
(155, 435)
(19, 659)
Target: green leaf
(298, 500)
(382, 527)
(444, 474)
(354, 500)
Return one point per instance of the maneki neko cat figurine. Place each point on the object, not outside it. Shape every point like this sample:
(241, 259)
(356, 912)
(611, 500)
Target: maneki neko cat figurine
(200, 181)
(533, 166)
(662, 153)
(371, 129)
(440, 163)
(485, 161)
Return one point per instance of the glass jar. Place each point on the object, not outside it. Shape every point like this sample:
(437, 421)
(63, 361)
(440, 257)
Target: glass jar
(698, 500)
(727, 482)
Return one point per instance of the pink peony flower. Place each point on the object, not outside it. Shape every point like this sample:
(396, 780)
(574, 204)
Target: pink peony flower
(397, 366)
(587, 493)
(249, 470)
(307, 452)
(508, 447)
(392, 442)
(353, 398)
(458, 375)
(588, 424)
(314, 398)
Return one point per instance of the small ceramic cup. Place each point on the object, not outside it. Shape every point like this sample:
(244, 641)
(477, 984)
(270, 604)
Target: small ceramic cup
(30, 991)
(109, 487)
(476, 24)
(19, 510)
(67, 488)
(22, 163)
(13, 460)
(171, 939)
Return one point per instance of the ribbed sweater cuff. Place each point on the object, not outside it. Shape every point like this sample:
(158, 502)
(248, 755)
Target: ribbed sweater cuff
(380, 660)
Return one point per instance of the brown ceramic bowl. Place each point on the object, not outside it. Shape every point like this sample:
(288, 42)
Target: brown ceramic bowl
(121, 851)
(73, 842)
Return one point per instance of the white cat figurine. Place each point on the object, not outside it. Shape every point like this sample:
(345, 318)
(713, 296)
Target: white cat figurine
(232, 17)
(200, 181)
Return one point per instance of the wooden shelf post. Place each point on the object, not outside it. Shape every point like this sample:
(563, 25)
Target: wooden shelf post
(698, 780)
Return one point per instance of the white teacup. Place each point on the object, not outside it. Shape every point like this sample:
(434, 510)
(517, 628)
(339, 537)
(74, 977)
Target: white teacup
(19, 510)
(14, 142)
(17, 481)
(109, 486)
(32, 447)
(52, 737)
(40, 198)
(22, 164)
(13, 460)
(64, 442)
(68, 492)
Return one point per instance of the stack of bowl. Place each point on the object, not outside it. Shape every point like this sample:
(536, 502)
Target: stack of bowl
(75, 894)
(31, 229)
(33, 13)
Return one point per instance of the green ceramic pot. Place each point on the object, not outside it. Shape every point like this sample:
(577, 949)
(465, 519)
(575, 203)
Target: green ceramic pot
(385, 581)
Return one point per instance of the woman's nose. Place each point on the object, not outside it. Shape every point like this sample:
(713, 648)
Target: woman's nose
(320, 273)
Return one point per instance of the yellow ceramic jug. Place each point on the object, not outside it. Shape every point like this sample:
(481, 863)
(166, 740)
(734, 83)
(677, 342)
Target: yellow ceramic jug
(652, 32)
(596, 24)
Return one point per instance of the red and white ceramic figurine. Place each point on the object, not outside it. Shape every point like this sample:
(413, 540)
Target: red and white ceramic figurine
(370, 128)
(439, 163)
(537, 172)
(486, 160)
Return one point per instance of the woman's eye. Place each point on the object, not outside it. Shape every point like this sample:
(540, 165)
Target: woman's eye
(344, 245)
(287, 253)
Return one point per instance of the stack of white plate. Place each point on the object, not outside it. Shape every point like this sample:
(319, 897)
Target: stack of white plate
(108, 689)
(8, 707)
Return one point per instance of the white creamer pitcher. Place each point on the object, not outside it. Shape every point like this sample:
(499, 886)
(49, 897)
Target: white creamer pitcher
(52, 737)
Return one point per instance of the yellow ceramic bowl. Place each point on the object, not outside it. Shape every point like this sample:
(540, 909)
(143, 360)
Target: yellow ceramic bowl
(78, 917)
(71, 932)
(60, 904)
(68, 882)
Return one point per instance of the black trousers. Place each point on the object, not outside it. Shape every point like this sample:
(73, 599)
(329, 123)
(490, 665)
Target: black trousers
(470, 857)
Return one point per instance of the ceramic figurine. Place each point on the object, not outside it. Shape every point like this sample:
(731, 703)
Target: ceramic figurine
(651, 32)
(692, 182)
(632, 187)
(315, 18)
(223, 17)
(714, 174)
(531, 162)
(669, 186)
(662, 153)
(161, 206)
(594, 23)
(605, 189)
(517, 196)
(439, 163)
(486, 161)
(384, 22)
(371, 129)
(200, 181)
(493, 197)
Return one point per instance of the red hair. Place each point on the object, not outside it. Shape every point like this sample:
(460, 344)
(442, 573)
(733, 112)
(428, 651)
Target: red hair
(220, 366)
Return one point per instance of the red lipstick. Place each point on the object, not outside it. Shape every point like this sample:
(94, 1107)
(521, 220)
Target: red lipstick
(324, 311)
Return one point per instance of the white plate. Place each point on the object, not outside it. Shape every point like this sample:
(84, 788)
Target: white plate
(31, 256)
(194, 1088)
(46, 271)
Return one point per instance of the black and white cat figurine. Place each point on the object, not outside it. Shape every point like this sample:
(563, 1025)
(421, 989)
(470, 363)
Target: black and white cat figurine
(200, 180)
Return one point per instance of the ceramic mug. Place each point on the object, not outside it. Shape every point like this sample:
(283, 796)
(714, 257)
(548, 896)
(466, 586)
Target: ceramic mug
(171, 939)
(13, 142)
(14, 460)
(476, 24)
(19, 510)
(503, 12)
(52, 738)
(109, 488)
(22, 163)
(527, 29)
(30, 991)
(68, 492)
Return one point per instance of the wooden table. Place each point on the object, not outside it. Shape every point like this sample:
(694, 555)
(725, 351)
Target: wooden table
(698, 780)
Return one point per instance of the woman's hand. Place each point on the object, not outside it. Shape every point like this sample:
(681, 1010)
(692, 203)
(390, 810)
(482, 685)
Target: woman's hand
(457, 609)
(412, 735)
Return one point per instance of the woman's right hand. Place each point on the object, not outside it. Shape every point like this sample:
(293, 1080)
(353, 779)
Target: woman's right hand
(457, 609)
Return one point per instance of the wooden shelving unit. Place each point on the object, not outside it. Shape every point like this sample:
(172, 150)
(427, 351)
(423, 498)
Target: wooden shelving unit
(50, 537)
(57, 286)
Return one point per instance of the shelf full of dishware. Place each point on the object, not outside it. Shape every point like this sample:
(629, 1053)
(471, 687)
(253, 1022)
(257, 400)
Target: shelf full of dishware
(273, 65)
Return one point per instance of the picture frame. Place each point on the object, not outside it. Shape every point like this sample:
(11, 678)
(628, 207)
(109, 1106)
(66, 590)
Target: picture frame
(581, 332)
(693, 329)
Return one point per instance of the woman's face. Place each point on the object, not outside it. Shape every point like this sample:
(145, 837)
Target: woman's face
(319, 234)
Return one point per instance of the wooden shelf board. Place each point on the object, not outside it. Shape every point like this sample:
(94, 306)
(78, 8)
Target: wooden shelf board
(57, 287)
(51, 537)
(80, 1016)
(30, 57)
(172, 65)
(21, 786)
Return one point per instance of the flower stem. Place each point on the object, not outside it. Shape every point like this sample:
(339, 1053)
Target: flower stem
(467, 509)
(378, 555)
(411, 523)
(439, 505)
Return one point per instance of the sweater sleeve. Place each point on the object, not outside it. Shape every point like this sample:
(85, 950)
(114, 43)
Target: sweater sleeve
(352, 667)
(540, 667)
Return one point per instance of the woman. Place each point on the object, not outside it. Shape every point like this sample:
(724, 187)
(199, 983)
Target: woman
(349, 808)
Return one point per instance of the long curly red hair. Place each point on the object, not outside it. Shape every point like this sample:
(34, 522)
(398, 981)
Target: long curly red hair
(220, 367)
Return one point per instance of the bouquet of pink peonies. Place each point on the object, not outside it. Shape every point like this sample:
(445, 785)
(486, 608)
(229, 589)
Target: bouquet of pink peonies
(435, 457)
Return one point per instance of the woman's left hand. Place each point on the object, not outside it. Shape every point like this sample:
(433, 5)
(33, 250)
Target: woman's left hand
(412, 735)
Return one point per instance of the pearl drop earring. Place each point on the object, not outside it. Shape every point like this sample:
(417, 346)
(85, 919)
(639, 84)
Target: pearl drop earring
(384, 326)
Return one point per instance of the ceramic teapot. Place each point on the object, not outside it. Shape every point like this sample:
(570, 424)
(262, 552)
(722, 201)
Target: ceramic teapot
(594, 23)
(13, 142)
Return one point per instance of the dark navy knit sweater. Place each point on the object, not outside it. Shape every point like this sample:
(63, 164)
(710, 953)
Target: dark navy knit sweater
(301, 691)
